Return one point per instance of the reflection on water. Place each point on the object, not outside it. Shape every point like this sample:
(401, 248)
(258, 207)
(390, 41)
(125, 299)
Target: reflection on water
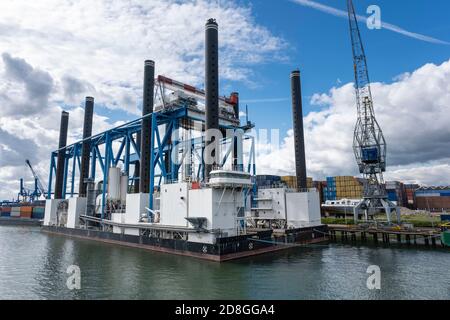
(33, 266)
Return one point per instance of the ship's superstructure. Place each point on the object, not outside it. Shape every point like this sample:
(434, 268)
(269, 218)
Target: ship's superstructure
(181, 178)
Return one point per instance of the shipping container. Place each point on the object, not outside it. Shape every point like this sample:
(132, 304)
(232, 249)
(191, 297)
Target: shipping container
(15, 212)
(26, 211)
(26, 215)
(38, 213)
(434, 204)
(392, 195)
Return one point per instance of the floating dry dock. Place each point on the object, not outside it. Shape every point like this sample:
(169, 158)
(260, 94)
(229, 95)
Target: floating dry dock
(224, 249)
(19, 222)
(179, 180)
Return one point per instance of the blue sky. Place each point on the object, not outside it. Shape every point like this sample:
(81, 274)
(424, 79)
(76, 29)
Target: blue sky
(319, 44)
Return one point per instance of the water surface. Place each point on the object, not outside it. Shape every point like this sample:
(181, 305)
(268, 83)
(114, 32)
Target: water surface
(33, 265)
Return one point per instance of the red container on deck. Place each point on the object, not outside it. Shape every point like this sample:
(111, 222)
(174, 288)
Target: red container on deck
(25, 215)
(26, 211)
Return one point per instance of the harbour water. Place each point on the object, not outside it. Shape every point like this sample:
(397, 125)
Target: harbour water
(33, 265)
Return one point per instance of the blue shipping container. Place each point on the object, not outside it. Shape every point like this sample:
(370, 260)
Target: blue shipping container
(392, 196)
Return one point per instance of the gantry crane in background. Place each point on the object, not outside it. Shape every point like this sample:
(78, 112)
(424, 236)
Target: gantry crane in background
(369, 144)
(39, 188)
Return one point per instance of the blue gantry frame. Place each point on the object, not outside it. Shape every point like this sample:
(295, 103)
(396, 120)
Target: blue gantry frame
(128, 153)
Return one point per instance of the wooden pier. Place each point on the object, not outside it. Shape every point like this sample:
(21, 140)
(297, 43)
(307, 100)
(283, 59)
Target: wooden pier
(385, 236)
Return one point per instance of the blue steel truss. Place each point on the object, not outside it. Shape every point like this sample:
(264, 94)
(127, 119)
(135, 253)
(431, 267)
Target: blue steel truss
(129, 153)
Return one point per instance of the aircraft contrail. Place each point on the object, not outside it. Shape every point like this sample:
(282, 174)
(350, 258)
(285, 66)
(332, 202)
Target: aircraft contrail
(385, 25)
(264, 100)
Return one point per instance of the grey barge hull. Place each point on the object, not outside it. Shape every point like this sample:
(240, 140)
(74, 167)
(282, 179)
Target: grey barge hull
(224, 249)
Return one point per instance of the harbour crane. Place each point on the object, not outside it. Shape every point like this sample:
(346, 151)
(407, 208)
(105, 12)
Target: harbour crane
(40, 186)
(369, 144)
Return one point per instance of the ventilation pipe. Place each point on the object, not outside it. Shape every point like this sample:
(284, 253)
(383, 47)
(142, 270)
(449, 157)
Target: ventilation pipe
(299, 140)
(146, 130)
(235, 100)
(86, 147)
(60, 164)
(211, 91)
(137, 165)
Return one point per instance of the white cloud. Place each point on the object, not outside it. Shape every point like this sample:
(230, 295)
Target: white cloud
(98, 47)
(412, 112)
(432, 173)
(56, 52)
(34, 138)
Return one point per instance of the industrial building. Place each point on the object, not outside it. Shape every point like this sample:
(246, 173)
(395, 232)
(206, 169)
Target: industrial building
(180, 179)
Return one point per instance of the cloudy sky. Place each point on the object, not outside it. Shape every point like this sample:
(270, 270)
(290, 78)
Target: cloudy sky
(56, 52)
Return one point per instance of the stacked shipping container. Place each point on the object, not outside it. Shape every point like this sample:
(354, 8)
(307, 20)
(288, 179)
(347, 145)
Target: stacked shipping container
(6, 211)
(348, 188)
(396, 192)
(319, 185)
(343, 187)
(329, 191)
(291, 182)
(268, 181)
(280, 181)
(25, 212)
(410, 189)
(435, 199)
(38, 213)
(15, 212)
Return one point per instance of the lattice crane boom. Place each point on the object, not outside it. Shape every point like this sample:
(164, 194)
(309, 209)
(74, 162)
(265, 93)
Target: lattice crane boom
(35, 175)
(369, 144)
